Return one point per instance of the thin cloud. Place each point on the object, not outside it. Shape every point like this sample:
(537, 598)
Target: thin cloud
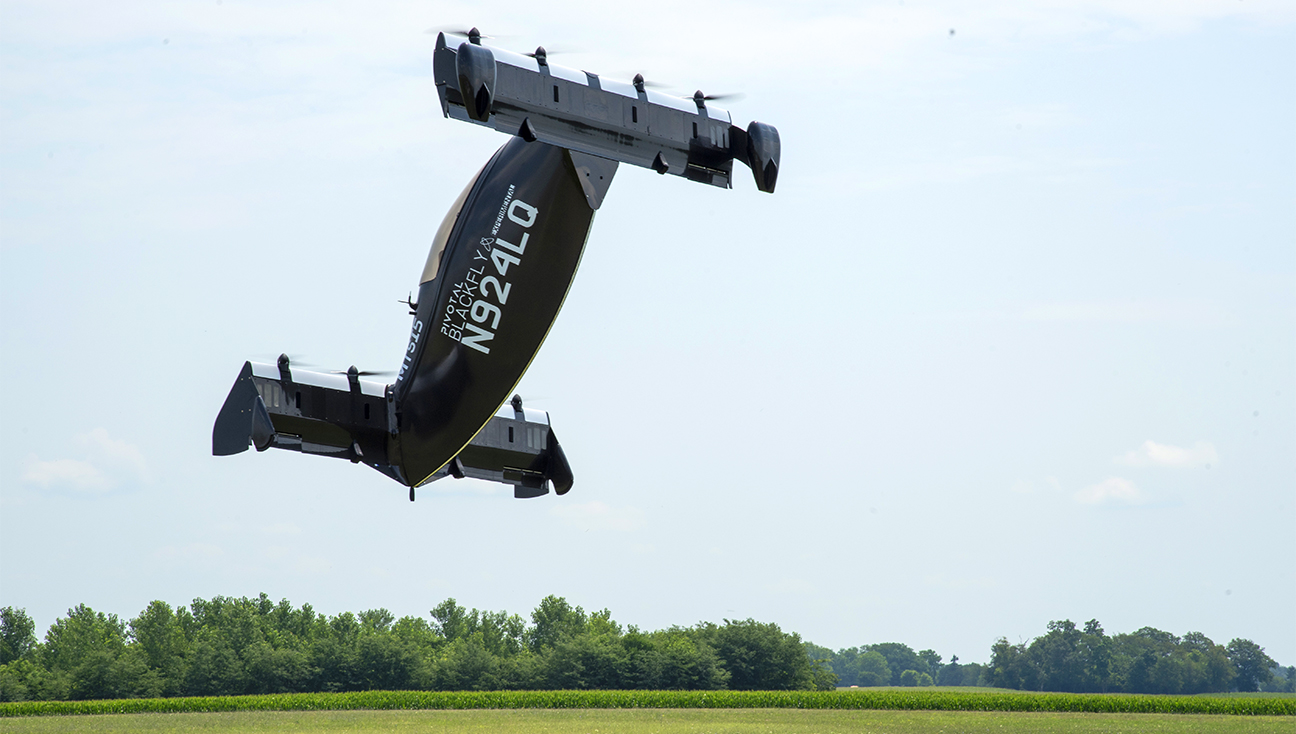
(74, 474)
(1152, 453)
(106, 464)
(1113, 490)
(119, 456)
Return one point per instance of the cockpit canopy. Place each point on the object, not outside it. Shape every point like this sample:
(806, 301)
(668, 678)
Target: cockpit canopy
(443, 232)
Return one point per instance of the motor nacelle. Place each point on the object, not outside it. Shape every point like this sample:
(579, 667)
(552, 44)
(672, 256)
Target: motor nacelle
(475, 67)
(763, 154)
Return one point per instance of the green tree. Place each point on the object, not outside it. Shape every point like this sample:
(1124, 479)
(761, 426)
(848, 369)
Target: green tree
(900, 657)
(951, 674)
(1135, 660)
(384, 662)
(376, 621)
(282, 670)
(843, 662)
(13, 685)
(672, 659)
(501, 633)
(291, 627)
(1009, 666)
(466, 664)
(160, 638)
(451, 620)
(1208, 667)
(17, 634)
(872, 669)
(129, 676)
(1254, 668)
(333, 654)
(553, 620)
(28, 679)
(72, 641)
(419, 635)
(1284, 680)
(818, 652)
(237, 623)
(931, 662)
(973, 674)
(214, 669)
(587, 661)
(92, 678)
(1059, 657)
(1097, 657)
(760, 656)
(821, 659)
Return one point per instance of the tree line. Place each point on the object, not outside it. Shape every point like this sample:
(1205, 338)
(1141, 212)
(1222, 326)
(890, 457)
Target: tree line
(1071, 660)
(1149, 660)
(229, 646)
(896, 664)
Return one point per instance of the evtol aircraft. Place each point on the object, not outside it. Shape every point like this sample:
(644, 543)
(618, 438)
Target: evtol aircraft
(500, 266)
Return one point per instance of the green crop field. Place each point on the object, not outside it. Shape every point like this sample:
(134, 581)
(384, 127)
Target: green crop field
(903, 699)
(654, 721)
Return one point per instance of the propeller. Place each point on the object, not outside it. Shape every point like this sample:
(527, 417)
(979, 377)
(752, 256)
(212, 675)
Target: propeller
(294, 360)
(541, 52)
(701, 98)
(413, 305)
(640, 83)
(698, 97)
(363, 373)
(540, 55)
(474, 35)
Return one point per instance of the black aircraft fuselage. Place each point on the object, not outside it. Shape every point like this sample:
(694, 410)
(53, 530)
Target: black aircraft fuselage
(499, 269)
(493, 294)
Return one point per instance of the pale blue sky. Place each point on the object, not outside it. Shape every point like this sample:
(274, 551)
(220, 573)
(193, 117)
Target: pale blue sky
(963, 374)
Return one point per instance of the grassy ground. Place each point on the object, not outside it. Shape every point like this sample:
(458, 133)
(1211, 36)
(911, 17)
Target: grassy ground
(654, 721)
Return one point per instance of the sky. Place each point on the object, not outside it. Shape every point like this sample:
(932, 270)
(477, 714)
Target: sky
(1014, 341)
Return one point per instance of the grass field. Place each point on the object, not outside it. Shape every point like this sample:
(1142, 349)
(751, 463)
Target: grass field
(651, 721)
